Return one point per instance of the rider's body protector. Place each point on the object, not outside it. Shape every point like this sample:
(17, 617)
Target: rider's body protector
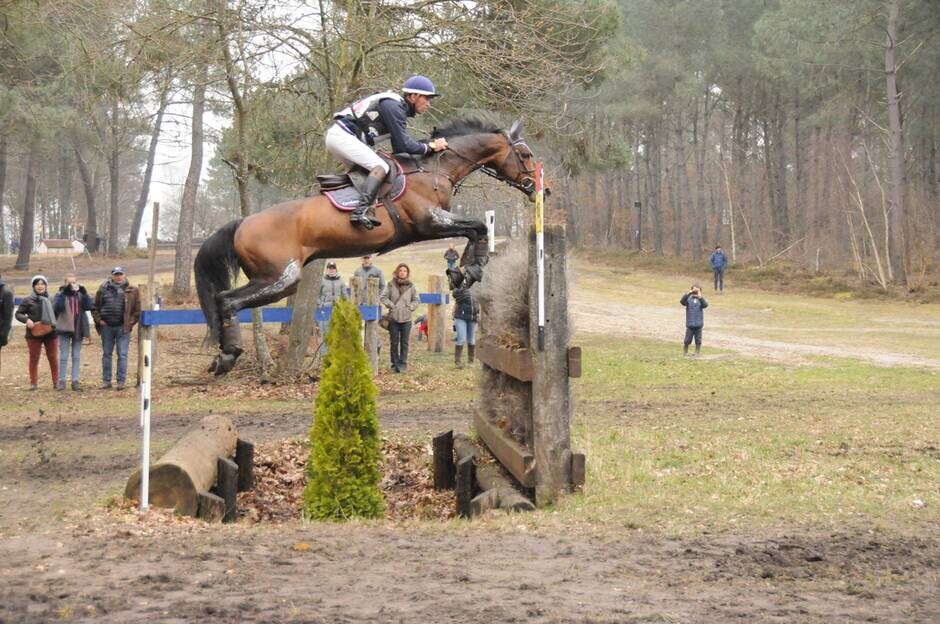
(382, 116)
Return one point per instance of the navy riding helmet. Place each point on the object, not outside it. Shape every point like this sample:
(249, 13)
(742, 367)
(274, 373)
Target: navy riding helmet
(421, 85)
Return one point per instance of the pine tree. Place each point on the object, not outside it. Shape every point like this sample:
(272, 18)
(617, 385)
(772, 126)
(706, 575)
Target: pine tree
(343, 468)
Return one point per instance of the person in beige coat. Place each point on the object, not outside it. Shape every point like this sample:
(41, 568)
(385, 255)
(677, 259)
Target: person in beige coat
(401, 299)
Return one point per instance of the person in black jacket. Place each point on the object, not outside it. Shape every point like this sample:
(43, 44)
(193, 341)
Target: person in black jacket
(6, 313)
(70, 306)
(35, 311)
(695, 305)
(375, 118)
(466, 314)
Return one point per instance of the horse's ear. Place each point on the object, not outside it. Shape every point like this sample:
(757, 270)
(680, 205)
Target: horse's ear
(515, 132)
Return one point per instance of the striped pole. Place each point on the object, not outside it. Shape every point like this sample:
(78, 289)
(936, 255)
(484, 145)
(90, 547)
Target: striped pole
(540, 247)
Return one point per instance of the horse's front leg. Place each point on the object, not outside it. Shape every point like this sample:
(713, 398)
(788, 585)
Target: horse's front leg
(443, 224)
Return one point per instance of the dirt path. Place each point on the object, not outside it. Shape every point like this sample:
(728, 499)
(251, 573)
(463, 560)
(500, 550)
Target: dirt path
(665, 323)
(380, 573)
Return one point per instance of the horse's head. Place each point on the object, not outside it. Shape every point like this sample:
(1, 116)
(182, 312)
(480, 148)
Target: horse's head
(514, 162)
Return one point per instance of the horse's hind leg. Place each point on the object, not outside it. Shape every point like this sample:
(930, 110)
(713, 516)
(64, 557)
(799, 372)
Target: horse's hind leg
(257, 292)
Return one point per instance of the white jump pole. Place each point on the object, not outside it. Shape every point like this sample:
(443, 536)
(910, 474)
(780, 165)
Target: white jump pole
(491, 229)
(540, 248)
(146, 377)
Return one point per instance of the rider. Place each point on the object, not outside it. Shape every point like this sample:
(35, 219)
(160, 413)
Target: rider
(374, 118)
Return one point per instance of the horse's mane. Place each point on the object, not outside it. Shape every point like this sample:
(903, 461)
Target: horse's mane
(462, 126)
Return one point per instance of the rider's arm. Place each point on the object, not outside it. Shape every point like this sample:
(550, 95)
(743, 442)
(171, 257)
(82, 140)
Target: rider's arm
(393, 114)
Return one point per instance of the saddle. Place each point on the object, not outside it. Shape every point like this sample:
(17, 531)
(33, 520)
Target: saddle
(344, 191)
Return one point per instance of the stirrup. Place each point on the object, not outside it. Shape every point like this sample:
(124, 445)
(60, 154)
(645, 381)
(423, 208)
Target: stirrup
(361, 216)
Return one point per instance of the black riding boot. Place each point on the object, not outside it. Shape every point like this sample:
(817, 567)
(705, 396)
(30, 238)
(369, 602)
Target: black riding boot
(370, 189)
(471, 353)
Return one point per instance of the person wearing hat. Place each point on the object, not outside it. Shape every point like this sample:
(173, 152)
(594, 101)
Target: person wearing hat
(36, 312)
(363, 273)
(374, 118)
(117, 310)
(71, 323)
(332, 289)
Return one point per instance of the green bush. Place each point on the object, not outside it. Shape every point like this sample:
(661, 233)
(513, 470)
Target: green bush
(343, 469)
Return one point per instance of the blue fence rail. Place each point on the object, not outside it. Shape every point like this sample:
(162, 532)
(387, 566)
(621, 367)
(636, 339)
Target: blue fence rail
(151, 318)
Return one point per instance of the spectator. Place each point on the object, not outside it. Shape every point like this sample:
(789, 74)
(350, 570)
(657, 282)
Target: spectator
(719, 261)
(332, 289)
(695, 305)
(36, 312)
(401, 299)
(364, 272)
(466, 314)
(117, 310)
(71, 321)
(451, 256)
(6, 313)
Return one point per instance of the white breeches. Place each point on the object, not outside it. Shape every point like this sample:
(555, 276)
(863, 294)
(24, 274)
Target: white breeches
(351, 150)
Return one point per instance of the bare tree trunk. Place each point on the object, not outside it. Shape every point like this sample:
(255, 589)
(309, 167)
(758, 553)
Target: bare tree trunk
(91, 207)
(29, 208)
(898, 240)
(184, 237)
(148, 170)
(799, 208)
(114, 174)
(3, 184)
(65, 192)
(780, 214)
(638, 232)
(305, 303)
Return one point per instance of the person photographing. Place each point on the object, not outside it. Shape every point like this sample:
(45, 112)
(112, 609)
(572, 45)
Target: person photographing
(695, 305)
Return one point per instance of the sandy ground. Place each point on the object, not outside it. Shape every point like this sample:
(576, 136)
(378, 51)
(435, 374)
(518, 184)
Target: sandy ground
(88, 565)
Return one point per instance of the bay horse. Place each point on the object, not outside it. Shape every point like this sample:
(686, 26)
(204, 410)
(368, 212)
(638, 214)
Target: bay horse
(272, 246)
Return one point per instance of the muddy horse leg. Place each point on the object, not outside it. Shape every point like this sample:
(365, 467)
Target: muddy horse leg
(257, 292)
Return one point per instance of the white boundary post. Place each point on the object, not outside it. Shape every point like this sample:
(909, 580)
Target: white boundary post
(540, 248)
(491, 229)
(145, 382)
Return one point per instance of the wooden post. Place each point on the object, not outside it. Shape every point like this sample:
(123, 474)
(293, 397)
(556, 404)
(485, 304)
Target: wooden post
(371, 334)
(436, 316)
(245, 458)
(443, 445)
(466, 475)
(148, 295)
(227, 487)
(551, 407)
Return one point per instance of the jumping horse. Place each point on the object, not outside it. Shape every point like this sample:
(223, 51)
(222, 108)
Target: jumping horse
(272, 246)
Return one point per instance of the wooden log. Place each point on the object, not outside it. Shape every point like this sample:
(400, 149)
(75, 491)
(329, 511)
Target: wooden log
(574, 362)
(516, 363)
(245, 458)
(227, 487)
(489, 477)
(443, 445)
(466, 476)
(437, 314)
(189, 467)
(517, 459)
(551, 397)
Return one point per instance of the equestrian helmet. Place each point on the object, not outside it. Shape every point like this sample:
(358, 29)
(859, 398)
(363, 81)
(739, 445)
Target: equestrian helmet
(421, 85)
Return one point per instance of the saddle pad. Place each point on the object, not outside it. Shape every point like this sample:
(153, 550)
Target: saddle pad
(347, 198)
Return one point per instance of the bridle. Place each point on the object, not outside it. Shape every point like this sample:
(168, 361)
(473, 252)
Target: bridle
(527, 186)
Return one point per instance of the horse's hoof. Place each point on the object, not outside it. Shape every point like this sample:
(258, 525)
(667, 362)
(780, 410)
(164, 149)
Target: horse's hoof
(225, 363)
(454, 278)
(214, 365)
(474, 274)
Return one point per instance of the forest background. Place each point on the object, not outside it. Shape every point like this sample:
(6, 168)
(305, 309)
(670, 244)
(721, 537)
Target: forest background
(786, 130)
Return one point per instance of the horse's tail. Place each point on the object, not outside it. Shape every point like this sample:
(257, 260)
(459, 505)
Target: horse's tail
(216, 266)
